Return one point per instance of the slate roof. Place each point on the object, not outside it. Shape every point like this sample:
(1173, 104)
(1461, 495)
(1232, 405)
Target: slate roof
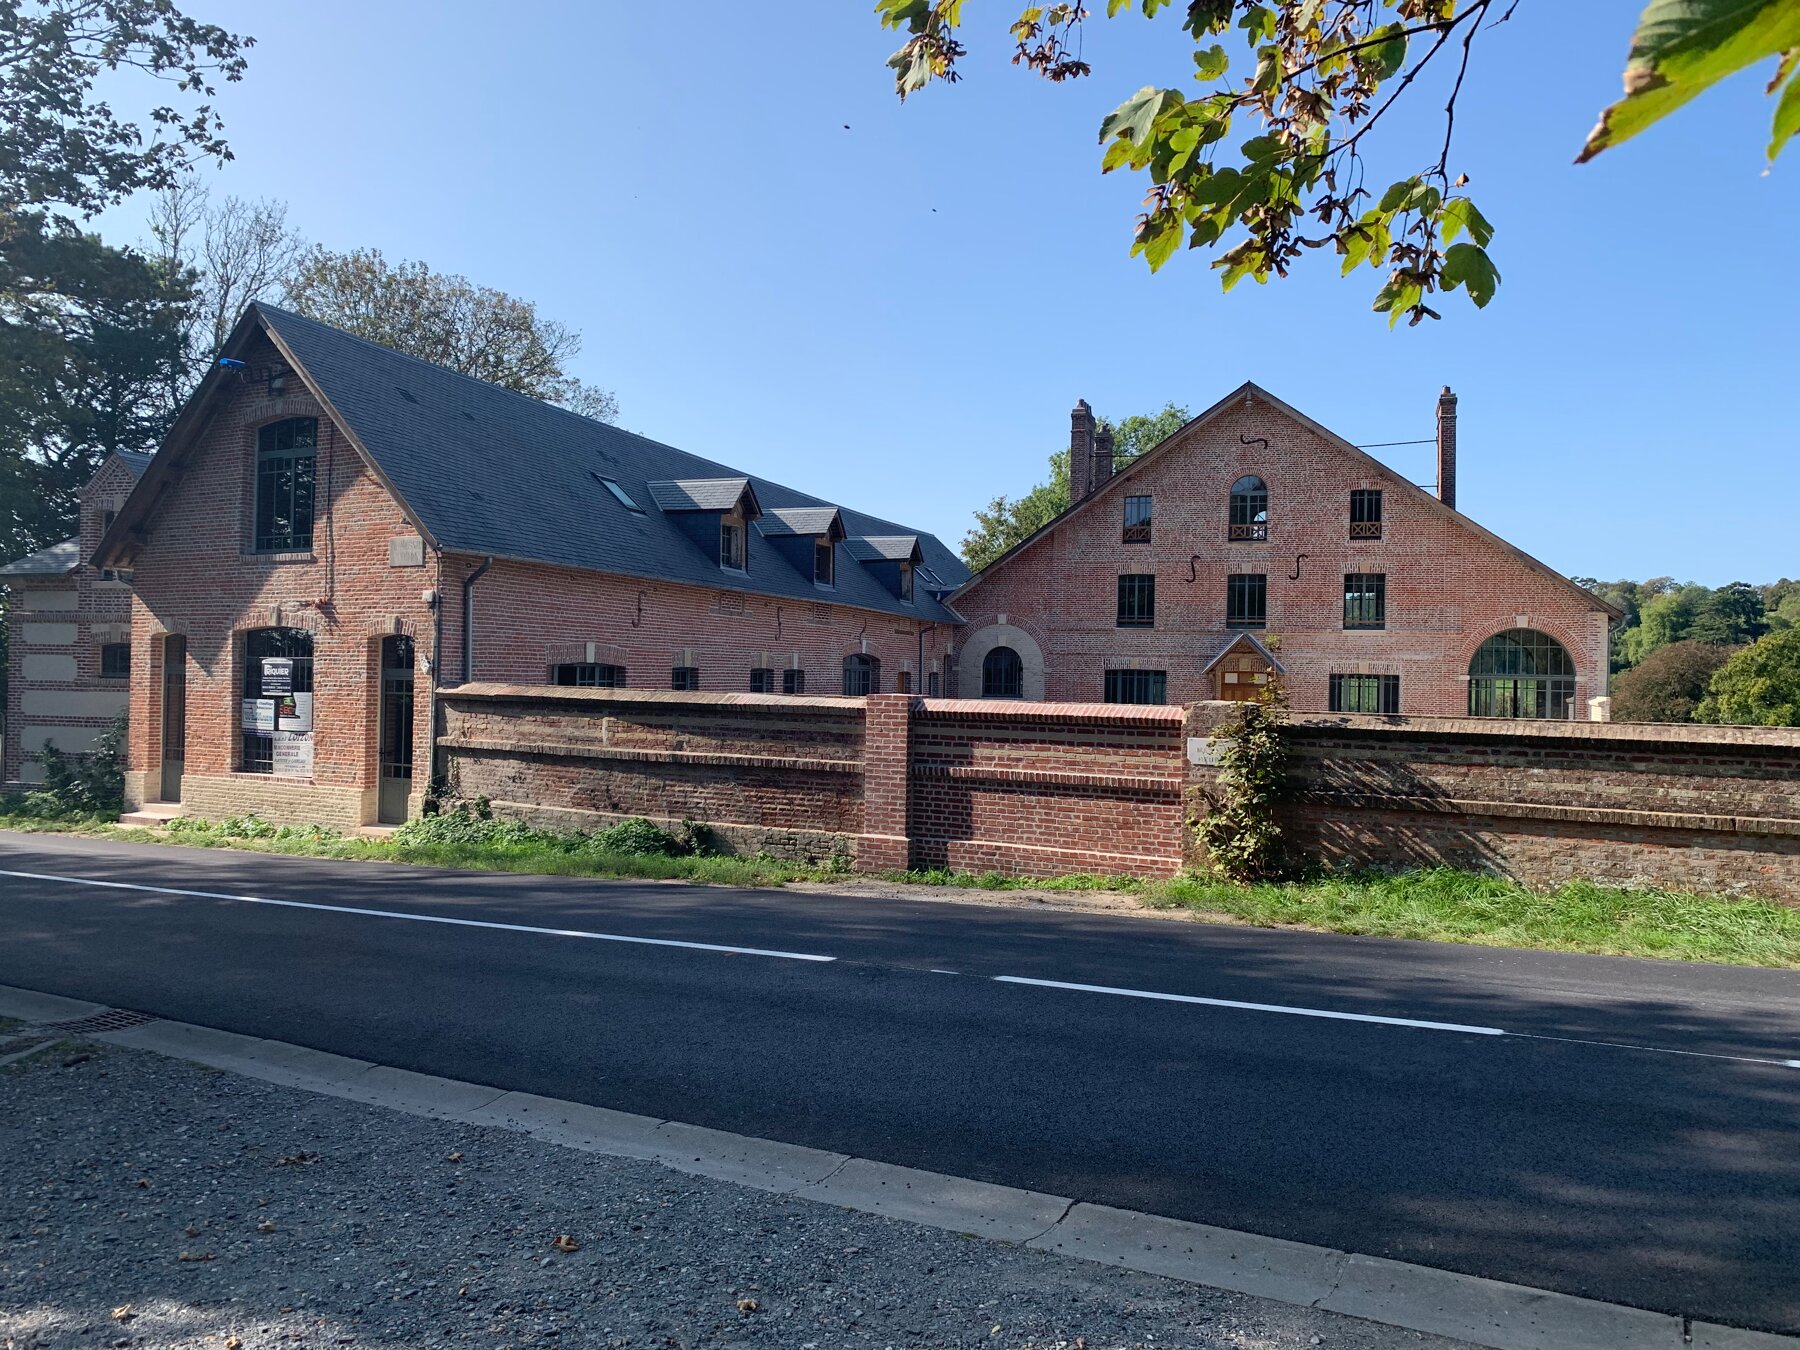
(135, 460)
(797, 520)
(1227, 641)
(882, 548)
(56, 561)
(486, 471)
(698, 494)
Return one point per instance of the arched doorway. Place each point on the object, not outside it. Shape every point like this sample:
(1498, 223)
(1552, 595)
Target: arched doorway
(1002, 674)
(1522, 673)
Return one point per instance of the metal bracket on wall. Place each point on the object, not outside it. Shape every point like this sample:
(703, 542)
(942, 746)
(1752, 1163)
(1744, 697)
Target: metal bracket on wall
(1253, 440)
(1193, 569)
(1298, 557)
(637, 620)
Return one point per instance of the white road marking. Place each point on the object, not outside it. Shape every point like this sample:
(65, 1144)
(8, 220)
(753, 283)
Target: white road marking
(1254, 1007)
(428, 918)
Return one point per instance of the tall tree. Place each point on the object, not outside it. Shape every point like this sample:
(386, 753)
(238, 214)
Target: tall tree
(1007, 521)
(448, 320)
(1729, 616)
(230, 253)
(1669, 684)
(1759, 686)
(1309, 83)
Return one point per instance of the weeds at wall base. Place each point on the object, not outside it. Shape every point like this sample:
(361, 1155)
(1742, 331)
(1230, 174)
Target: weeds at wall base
(1439, 905)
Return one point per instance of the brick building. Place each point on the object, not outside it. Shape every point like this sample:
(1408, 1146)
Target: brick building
(69, 654)
(333, 530)
(1254, 544)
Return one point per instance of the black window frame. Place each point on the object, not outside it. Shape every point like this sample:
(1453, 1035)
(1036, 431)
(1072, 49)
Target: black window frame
(1247, 521)
(588, 675)
(906, 583)
(1365, 600)
(734, 542)
(299, 463)
(861, 669)
(793, 681)
(1247, 600)
(1383, 691)
(1136, 600)
(1002, 673)
(1365, 513)
(762, 679)
(684, 678)
(256, 749)
(824, 551)
(1522, 673)
(1136, 686)
(1138, 521)
(932, 684)
(111, 667)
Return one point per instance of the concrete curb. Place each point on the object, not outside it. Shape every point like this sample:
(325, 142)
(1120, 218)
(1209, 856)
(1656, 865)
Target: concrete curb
(1395, 1293)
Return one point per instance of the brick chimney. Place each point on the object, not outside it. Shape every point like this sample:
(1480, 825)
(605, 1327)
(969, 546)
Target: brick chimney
(1081, 451)
(1103, 455)
(1446, 447)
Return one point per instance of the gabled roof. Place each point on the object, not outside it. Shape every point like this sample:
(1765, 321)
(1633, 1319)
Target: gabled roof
(700, 494)
(135, 460)
(786, 521)
(1250, 389)
(883, 548)
(56, 561)
(485, 471)
(1232, 641)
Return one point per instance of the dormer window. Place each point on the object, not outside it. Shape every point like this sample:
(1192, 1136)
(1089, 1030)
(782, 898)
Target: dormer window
(824, 562)
(731, 543)
(906, 582)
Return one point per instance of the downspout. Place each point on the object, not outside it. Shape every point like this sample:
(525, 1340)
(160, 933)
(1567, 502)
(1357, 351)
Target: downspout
(468, 661)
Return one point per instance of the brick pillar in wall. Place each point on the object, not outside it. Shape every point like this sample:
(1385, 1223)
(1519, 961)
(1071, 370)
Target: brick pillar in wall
(1201, 759)
(887, 756)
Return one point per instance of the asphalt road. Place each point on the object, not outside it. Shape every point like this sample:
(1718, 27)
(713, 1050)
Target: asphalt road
(1618, 1129)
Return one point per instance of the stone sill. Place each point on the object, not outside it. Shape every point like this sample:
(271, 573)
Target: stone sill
(279, 558)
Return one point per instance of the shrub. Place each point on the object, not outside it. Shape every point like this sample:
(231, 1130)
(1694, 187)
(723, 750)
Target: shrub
(1669, 684)
(1242, 836)
(83, 785)
(467, 825)
(1759, 686)
(642, 838)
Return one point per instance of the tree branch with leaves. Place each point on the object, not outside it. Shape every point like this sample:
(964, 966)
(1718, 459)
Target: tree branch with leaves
(1314, 79)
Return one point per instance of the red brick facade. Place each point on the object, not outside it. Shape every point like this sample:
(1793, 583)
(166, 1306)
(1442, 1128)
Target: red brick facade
(56, 692)
(1449, 585)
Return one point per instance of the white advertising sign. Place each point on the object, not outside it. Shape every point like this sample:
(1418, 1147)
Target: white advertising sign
(277, 675)
(293, 712)
(293, 754)
(259, 714)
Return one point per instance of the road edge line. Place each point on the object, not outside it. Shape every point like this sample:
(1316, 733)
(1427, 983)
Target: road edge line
(1488, 1313)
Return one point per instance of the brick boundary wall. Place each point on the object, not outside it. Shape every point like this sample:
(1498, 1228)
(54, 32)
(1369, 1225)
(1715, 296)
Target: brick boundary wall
(1041, 789)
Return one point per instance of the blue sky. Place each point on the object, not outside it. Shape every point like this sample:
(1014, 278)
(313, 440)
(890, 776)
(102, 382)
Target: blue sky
(898, 315)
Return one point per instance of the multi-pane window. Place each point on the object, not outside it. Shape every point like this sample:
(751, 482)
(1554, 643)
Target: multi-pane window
(1365, 513)
(285, 456)
(115, 661)
(1002, 674)
(1137, 686)
(1137, 520)
(591, 675)
(1521, 673)
(1137, 600)
(278, 662)
(1365, 694)
(862, 675)
(1247, 600)
(762, 680)
(731, 544)
(1365, 600)
(906, 582)
(684, 677)
(824, 562)
(1249, 509)
(793, 681)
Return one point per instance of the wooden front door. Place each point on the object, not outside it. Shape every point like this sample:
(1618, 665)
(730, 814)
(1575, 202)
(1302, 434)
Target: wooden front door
(1243, 677)
(174, 716)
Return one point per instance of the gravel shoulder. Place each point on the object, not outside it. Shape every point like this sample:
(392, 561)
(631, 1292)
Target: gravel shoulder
(148, 1202)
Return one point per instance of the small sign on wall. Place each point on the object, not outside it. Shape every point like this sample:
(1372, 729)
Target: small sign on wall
(293, 712)
(277, 675)
(259, 714)
(1201, 751)
(293, 754)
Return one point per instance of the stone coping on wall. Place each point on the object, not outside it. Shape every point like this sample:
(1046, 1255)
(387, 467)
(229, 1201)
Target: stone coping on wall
(1009, 709)
(576, 750)
(485, 691)
(1701, 737)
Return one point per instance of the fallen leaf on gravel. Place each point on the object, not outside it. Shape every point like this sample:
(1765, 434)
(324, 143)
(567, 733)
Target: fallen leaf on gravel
(143, 1183)
(746, 1305)
(191, 1231)
(73, 1060)
(456, 1157)
(297, 1159)
(233, 1343)
(195, 1256)
(265, 1227)
(263, 1201)
(565, 1243)
(123, 1314)
(463, 1292)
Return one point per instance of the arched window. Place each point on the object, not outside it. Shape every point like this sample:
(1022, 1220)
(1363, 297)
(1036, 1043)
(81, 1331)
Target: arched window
(862, 675)
(285, 453)
(277, 705)
(1521, 673)
(1002, 674)
(1249, 508)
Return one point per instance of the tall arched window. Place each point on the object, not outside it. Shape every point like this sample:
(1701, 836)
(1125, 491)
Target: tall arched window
(1249, 508)
(1521, 673)
(285, 452)
(1002, 674)
(862, 675)
(277, 704)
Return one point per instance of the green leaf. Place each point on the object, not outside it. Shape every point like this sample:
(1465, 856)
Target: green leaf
(1211, 62)
(1399, 192)
(1684, 47)
(1134, 117)
(1160, 237)
(1400, 294)
(1385, 59)
(1787, 117)
(1258, 23)
(1470, 267)
(1459, 215)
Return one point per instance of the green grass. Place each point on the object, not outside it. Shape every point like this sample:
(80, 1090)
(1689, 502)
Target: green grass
(1439, 906)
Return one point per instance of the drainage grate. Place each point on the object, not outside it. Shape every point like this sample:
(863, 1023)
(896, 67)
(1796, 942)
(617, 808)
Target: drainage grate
(112, 1019)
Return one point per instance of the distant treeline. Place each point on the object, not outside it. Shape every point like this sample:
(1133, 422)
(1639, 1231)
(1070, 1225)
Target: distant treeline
(1691, 653)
